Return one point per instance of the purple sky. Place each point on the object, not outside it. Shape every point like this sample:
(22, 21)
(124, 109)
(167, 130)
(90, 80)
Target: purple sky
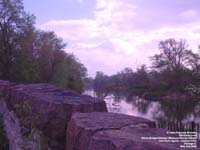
(109, 35)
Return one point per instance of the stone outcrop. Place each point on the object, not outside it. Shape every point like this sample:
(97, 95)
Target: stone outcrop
(44, 117)
(109, 131)
(4, 85)
(47, 108)
(13, 131)
(130, 139)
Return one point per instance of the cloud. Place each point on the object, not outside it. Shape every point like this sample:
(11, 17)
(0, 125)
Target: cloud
(114, 11)
(80, 1)
(102, 59)
(188, 14)
(110, 41)
(73, 29)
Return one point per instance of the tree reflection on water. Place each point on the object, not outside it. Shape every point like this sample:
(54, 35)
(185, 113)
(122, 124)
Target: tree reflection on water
(167, 112)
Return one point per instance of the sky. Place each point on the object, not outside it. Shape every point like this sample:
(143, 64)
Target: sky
(109, 35)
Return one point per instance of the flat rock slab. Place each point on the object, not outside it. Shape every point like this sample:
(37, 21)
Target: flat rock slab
(83, 127)
(49, 108)
(110, 131)
(130, 139)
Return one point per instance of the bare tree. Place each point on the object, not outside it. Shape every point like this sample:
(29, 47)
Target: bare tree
(174, 55)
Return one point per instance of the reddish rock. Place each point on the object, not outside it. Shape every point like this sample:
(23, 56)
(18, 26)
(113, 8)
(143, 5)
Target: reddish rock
(130, 139)
(3, 86)
(83, 127)
(49, 109)
(89, 126)
(109, 131)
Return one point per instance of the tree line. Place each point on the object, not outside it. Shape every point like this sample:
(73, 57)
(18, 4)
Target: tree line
(174, 72)
(30, 55)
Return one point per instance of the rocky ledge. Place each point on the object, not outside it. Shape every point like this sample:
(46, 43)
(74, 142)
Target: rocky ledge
(47, 108)
(44, 117)
(109, 131)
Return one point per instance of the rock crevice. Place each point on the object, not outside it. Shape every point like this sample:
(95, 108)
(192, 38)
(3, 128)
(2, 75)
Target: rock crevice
(13, 131)
(46, 108)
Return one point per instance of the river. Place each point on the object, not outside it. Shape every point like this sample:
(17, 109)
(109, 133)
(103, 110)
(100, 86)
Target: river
(162, 112)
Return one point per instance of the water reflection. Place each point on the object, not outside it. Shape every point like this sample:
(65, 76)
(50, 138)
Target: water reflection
(166, 111)
(137, 107)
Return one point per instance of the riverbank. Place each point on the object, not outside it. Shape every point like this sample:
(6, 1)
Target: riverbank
(166, 96)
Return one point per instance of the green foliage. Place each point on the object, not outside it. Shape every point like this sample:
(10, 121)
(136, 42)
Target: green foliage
(194, 87)
(89, 83)
(101, 85)
(69, 73)
(30, 136)
(30, 55)
(60, 75)
(173, 72)
(174, 55)
(24, 111)
(27, 119)
(25, 70)
(125, 82)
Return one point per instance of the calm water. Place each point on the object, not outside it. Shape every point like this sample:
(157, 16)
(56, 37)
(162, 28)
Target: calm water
(183, 111)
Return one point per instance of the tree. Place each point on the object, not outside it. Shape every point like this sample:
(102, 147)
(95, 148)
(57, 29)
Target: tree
(101, 85)
(30, 55)
(11, 24)
(60, 75)
(194, 88)
(25, 69)
(47, 45)
(174, 65)
(76, 73)
(174, 55)
(57, 66)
